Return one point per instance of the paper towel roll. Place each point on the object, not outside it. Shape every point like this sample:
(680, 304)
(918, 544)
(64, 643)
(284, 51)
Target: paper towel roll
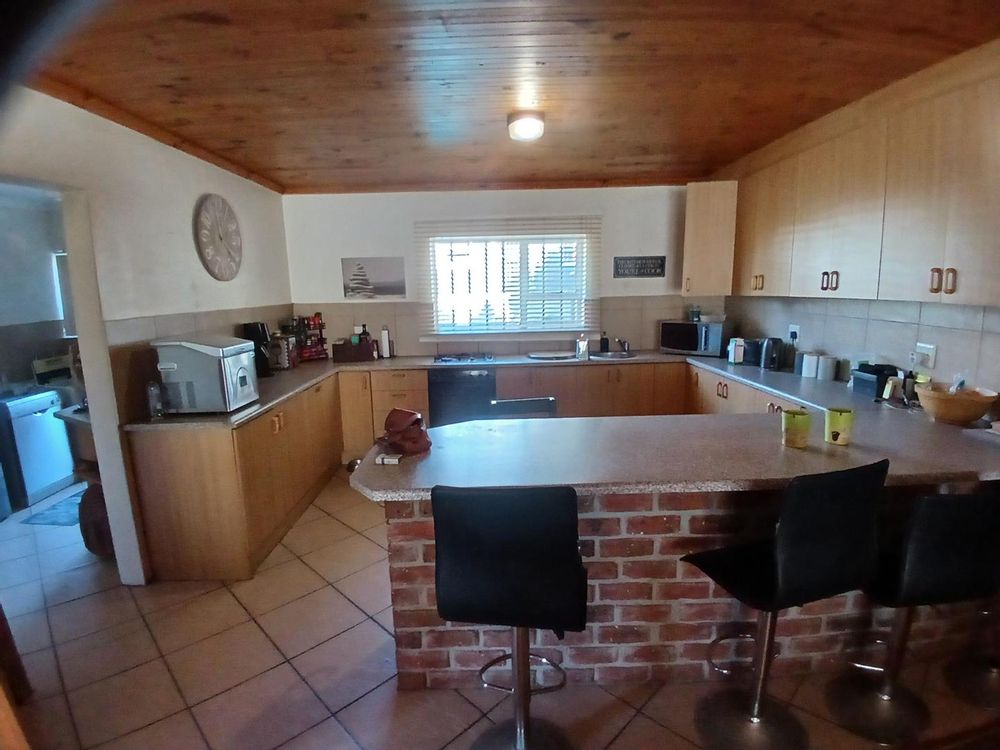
(810, 365)
(827, 368)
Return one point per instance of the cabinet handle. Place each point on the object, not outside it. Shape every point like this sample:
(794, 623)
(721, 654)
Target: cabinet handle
(834, 281)
(687, 284)
(275, 425)
(753, 283)
(281, 420)
(760, 286)
(725, 390)
(937, 276)
(778, 409)
(824, 281)
(770, 408)
(398, 375)
(718, 389)
(364, 384)
(618, 374)
(950, 280)
(398, 395)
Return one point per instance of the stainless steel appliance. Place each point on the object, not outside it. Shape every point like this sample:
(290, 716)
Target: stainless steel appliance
(260, 335)
(460, 394)
(34, 448)
(771, 353)
(207, 373)
(692, 337)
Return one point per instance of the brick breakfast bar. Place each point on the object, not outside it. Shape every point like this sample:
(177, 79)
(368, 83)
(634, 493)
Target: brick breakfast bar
(650, 490)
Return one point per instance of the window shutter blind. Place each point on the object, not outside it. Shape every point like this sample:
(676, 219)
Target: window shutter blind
(494, 276)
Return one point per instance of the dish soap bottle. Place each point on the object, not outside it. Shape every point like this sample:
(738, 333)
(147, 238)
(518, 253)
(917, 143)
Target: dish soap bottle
(582, 347)
(605, 343)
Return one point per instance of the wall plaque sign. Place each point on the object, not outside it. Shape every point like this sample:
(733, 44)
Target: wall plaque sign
(640, 266)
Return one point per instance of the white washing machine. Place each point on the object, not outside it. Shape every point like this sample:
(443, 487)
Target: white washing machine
(34, 448)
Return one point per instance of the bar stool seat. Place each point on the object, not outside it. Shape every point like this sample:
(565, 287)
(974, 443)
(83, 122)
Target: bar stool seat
(824, 545)
(511, 557)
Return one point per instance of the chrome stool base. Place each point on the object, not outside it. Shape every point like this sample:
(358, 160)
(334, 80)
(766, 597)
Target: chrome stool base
(855, 700)
(541, 735)
(975, 680)
(723, 723)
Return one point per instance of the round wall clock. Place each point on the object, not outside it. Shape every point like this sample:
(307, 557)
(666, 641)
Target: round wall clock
(217, 237)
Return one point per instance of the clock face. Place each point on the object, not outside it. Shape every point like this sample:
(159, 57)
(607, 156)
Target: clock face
(217, 237)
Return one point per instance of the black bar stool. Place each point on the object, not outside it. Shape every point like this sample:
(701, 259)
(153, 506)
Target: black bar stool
(824, 545)
(522, 408)
(511, 557)
(949, 553)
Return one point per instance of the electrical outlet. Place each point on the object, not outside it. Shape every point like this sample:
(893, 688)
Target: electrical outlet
(929, 352)
(794, 332)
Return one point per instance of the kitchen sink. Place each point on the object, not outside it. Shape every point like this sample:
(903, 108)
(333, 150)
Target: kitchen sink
(612, 355)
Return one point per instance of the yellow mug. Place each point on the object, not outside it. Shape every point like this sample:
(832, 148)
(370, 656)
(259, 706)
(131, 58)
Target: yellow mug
(795, 425)
(838, 426)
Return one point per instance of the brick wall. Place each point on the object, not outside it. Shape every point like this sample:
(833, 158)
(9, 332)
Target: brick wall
(650, 616)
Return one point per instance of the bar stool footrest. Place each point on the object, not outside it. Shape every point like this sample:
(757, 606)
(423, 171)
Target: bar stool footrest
(510, 690)
(710, 656)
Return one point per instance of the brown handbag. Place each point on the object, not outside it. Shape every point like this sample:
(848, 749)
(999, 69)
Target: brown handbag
(405, 433)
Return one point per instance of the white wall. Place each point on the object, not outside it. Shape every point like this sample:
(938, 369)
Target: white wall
(141, 195)
(30, 234)
(322, 229)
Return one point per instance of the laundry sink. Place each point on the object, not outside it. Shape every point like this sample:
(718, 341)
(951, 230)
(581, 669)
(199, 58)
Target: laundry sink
(612, 355)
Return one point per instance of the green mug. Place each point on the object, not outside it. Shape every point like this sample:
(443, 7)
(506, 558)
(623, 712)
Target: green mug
(838, 426)
(795, 425)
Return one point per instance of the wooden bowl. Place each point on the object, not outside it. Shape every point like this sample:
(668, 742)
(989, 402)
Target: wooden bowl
(961, 408)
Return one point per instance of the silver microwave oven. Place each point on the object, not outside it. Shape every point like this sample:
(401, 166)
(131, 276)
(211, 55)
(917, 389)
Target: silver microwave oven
(206, 373)
(692, 337)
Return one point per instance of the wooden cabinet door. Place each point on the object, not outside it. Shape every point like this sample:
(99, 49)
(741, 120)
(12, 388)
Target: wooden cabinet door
(815, 221)
(765, 220)
(558, 381)
(709, 238)
(294, 456)
(916, 205)
(257, 455)
(594, 395)
(710, 389)
(515, 382)
(356, 414)
(323, 425)
(972, 243)
(670, 389)
(632, 389)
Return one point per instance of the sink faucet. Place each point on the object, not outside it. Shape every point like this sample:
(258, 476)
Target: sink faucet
(623, 343)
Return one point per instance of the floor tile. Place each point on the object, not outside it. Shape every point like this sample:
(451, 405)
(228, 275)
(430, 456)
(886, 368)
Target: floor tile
(123, 703)
(74, 584)
(326, 736)
(384, 618)
(348, 666)
(91, 613)
(20, 546)
(467, 739)
(169, 593)
(635, 694)
(311, 513)
(177, 732)
(347, 556)
(279, 585)
(18, 571)
(43, 673)
(368, 588)
(31, 631)
(12, 528)
(486, 699)
(590, 717)
(304, 538)
(66, 558)
(191, 621)
(299, 625)
(19, 600)
(215, 664)
(54, 537)
(645, 734)
(261, 713)
(337, 496)
(106, 652)
(48, 725)
(362, 516)
(949, 715)
(390, 719)
(379, 534)
(278, 555)
(826, 736)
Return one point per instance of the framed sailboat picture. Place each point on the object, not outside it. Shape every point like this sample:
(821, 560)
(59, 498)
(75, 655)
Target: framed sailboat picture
(374, 278)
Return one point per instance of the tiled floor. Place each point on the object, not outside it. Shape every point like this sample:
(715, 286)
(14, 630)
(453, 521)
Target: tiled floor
(301, 657)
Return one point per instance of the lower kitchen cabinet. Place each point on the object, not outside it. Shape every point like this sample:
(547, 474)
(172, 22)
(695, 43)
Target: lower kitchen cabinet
(215, 501)
(557, 381)
(356, 414)
(398, 389)
(670, 388)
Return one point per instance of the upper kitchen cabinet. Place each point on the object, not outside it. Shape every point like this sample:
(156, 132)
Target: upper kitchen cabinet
(839, 203)
(709, 238)
(765, 218)
(942, 230)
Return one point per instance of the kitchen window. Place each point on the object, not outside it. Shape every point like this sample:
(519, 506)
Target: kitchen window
(514, 276)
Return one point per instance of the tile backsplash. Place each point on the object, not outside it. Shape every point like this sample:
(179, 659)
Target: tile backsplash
(967, 337)
(136, 330)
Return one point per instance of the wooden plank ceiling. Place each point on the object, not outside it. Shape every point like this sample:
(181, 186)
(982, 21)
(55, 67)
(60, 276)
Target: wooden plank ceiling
(334, 96)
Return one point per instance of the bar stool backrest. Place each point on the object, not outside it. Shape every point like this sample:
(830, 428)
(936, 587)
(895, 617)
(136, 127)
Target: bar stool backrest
(951, 550)
(509, 556)
(826, 541)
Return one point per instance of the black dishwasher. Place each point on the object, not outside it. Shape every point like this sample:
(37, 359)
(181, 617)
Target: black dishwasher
(460, 394)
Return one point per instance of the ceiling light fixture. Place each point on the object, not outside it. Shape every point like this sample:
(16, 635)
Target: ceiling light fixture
(526, 125)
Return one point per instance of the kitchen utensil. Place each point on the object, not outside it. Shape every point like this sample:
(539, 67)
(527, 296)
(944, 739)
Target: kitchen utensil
(795, 424)
(826, 368)
(810, 365)
(963, 407)
(837, 430)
